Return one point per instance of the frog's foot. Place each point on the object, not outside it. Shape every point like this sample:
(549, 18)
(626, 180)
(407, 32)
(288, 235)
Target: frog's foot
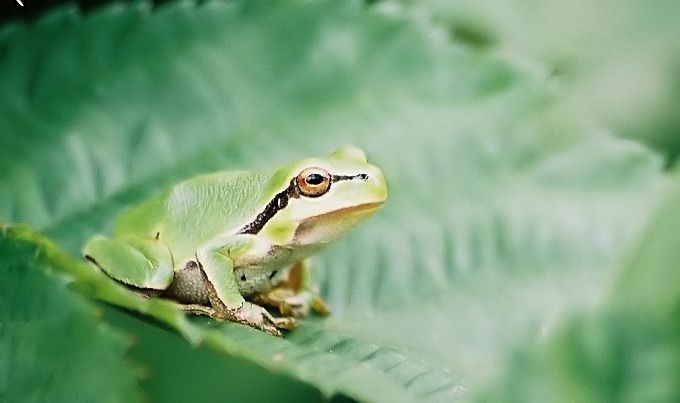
(199, 309)
(291, 303)
(247, 314)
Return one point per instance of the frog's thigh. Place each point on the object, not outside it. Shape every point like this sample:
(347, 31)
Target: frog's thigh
(189, 285)
(134, 261)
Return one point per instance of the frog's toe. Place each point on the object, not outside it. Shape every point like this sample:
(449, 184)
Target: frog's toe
(296, 305)
(271, 324)
(258, 317)
(285, 323)
(300, 305)
(288, 303)
(202, 310)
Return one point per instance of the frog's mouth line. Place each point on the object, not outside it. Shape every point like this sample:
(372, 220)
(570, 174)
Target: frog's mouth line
(313, 229)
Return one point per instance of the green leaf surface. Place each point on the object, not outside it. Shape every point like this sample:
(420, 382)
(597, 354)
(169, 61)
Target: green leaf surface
(53, 346)
(505, 213)
(627, 349)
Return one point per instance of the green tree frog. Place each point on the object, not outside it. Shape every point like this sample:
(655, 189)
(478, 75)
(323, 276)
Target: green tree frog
(229, 244)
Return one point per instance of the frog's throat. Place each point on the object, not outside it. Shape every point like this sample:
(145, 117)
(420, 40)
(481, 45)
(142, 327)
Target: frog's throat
(324, 228)
(280, 201)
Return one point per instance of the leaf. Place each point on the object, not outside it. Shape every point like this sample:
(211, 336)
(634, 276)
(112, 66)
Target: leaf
(614, 63)
(308, 358)
(627, 349)
(53, 347)
(503, 216)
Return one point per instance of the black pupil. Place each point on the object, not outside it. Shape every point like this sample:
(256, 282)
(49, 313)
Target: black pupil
(314, 179)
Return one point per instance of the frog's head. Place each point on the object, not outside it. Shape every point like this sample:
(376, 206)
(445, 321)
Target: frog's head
(318, 200)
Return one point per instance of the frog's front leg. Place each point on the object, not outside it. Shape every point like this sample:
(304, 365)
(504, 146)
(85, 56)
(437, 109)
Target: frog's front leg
(296, 295)
(217, 262)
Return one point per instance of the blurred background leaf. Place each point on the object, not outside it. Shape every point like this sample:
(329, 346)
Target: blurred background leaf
(616, 63)
(625, 350)
(511, 199)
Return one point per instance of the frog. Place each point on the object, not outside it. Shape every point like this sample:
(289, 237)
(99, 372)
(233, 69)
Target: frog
(234, 245)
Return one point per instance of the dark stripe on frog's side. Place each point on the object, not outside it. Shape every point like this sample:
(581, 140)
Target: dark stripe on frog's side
(280, 201)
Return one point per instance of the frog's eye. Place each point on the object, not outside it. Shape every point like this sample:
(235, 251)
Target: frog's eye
(313, 182)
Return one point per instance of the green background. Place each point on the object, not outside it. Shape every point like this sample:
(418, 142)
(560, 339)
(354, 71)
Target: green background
(527, 250)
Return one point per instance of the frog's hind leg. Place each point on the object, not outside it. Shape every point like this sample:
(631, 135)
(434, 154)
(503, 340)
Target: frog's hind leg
(198, 309)
(136, 262)
(295, 295)
(192, 288)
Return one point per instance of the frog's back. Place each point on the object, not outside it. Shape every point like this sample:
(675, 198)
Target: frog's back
(194, 211)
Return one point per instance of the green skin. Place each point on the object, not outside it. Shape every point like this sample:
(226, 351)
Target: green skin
(227, 243)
